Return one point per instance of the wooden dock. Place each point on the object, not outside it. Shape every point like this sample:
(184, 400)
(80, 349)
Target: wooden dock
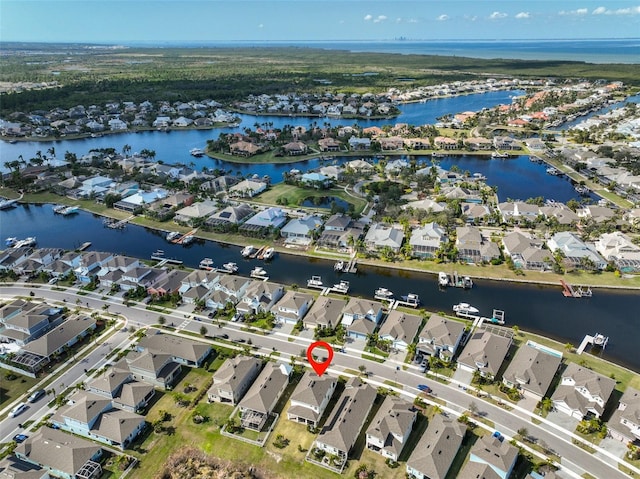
(597, 340)
(116, 225)
(181, 239)
(570, 292)
(496, 318)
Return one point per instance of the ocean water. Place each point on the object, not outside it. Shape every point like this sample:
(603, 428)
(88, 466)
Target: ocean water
(586, 50)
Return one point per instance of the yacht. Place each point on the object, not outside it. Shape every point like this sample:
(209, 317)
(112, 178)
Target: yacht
(268, 253)
(172, 235)
(248, 250)
(258, 272)
(464, 309)
(341, 287)
(230, 267)
(443, 279)
(70, 210)
(30, 241)
(187, 239)
(383, 293)
(10, 241)
(206, 263)
(315, 282)
(197, 152)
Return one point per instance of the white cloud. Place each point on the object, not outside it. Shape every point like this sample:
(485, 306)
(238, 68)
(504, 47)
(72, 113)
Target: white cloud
(379, 18)
(619, 11)
(412, 20)
(368, 18)
(443, 18)
(522, 15)
(497, 15)
(579, 11)
(599, 11)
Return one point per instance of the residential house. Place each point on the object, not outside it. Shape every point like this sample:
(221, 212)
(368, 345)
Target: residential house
(265, 220)
(257, 404)
(92, 416)
(440, 337)
(63, 455)
(389, 430)
(596, 213)
(476, 214)
(624, 424)
(302, 229)
(499, 455)
(311, 397)
(184, 351)
(332, 172)
(326, 312)
(229, 216)
(478, 143)
(343, 426)
(361, 316)
(473, 247)
(118, 385)
(437, 448)
(518, 212)
(532, 370)
(445, 143)
(485, 352)
(400, 328)
(141, 199)
(90, 264)
(477, 470)
(619, 248)
(292, 307)
(228, 289)
(357, 144)
(247, 189)
(506, 143)
(232, 380)
(201, 209)
(340, 231)
(526, 252)
(170, 284)
(243, 148)
(426, 204)
(328, 144)
(574, 250)
(156, 368)
(381, 235)
(426, 240)
(582, 392)
(315, 180)
(12, 257)
(25, 321)
(260, 296)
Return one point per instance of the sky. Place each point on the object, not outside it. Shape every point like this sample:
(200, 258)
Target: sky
(219, 21)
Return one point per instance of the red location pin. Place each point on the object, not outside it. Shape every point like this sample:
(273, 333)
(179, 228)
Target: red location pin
(319, 368)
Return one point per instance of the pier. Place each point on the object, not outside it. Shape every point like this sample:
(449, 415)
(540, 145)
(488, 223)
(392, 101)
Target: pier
(117, 225)
(183, 239)
(159, 256)
(496, 318)
(411, 300)
(570, 292)
(351, 266)
(596, 340)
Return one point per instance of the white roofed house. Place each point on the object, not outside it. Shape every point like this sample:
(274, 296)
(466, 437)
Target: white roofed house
(582, 392)
(474, 213)
(302, 229)
(440, 337)
(292, 307)
(361, 316)
(575, 250)
(272, 218)
(400, 328)
(259, 296)
(247, 188)
(390, 429)
(624, 424)
(519, 212)
(426, 240)
(201, 209)
(532, 370)
(437, 448)
(259, 401)
(232, 380)
(381, 235)
(311, 397)
(619, 248)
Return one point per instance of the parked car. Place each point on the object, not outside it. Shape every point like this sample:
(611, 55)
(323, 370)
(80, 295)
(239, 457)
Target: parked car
(424, 388)
(20, 438)
(498, 435)
(36, 395)
(19, 409)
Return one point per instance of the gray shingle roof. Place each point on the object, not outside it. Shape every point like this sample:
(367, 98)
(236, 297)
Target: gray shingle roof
(442, 331)
(533, 369)
(233, 372)
(59, 336)
(400, 326)
(325, 311)
(175, 346)
(266, 389)
(499, 454)
(487, 349)
(394, 418)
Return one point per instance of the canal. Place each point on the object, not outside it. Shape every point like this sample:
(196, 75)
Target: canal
(536, 308)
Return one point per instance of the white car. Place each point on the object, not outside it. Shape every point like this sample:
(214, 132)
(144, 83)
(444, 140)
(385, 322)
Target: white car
(18, 409)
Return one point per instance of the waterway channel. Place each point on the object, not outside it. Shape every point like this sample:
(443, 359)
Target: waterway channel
(536, 308)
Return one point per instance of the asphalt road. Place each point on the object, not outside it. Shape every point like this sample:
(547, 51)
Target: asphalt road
(574, 458)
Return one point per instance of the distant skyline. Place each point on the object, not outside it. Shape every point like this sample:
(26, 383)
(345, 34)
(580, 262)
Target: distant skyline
(211, 21)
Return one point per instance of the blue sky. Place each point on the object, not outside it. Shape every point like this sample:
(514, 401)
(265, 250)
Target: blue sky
(125, 21)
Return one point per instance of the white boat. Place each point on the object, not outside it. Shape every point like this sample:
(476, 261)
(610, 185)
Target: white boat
(465, 308)
(497, 154)
(341, 287)
(339, 266)
(411, 299)
(383, 293)
(59, 209)
(6, 204)
(268, 253)
(258, 272)
(10, 241)
(552, 171)
(315, 282)
(187, 239)
(467, 282)
(443, 279)
(197, 152)
(230, 267)
(206, 263)
(69, 210)
(172, 235)
(248, 250)
(30, 241)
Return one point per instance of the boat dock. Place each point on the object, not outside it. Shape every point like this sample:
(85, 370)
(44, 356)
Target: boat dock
(315, 282)
(497, 317)
(411, 300)
(159, 256)
(84, 246)
(457, 281)
(183, 239)
(117, 225)
(578, 292)
(596, 340)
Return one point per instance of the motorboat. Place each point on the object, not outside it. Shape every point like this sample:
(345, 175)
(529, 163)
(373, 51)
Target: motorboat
(187, 239)
(230, 267)
(172, 235)
(315, 282)
(411, 299)
(268, 253)
(30, 241)
(465, 308)
(443, 279)
(258, 272)
(197, 152)
(206, 263)
(497, 154)
(467, 282)
(339, 266)
(10, 241)
(383, 293)
(70, 210)
(248, 251)
(341, 287)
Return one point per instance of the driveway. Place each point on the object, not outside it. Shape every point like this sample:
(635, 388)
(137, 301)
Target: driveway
(462, 376)
(563, 420)
(615, 447)
(528, 403)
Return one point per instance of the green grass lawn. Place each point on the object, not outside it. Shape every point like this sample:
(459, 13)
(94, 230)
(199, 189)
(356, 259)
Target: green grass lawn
(295, 195)
(10, 390)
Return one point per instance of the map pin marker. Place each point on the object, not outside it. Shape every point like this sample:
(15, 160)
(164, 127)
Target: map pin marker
(319, 368)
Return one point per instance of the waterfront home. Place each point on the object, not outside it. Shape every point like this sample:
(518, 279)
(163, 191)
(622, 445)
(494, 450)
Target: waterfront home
(328, 144)
(343, 426)
(485, 352)
(466, 195)
(247, 189)
(619, 248)
(229, 216)
(11, 258)
(382, 235)
(183, 350)
(199, 277)
(25, 321)
(359, 144)
(332, 172)
(95, 186)
(257, 404)
(90, 264)
(315, 180)
(575, 250)
(440, 337)
(292, 307)
(498, 454)
(518, 212)
(233, 286)
(302, 229)
(360, 308)
(170, 284)
(436, 449)
(532, 370)
(427, 239)
(340, 231)
(295, 148)
(244, 148)
(118, 385)
(506, 143)
(624, 424)
(474, 213)
(445, 143)
(311, 397)
(219, 184)
(141, 199)
(326, 312)
(526, 252)
(473, 247)
(596, 213)
(92, 416)
(478, 143)
(232, 380)
(63, 455)
(389, 430)
(400, 328)
(582, 392)
(360, 166)
(201, 209)
(264, 221)
(426, 204)
(417, 143)
(259, 296)
(560, 212)
(38, 260)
